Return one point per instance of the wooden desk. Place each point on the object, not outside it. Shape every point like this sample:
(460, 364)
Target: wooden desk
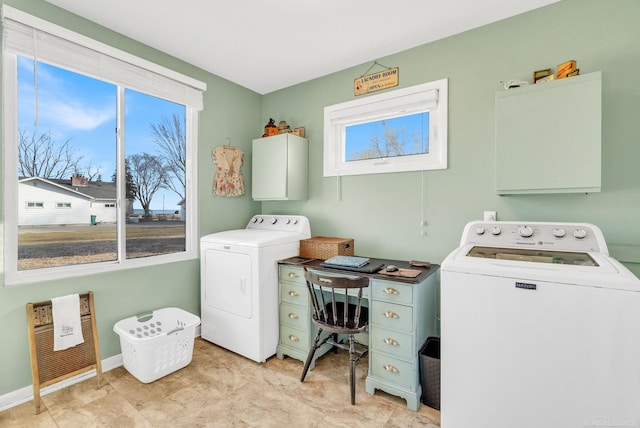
(403, 313)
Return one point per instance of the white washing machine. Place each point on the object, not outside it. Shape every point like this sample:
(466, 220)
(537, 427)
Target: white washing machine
(540, 328)
(239, 282)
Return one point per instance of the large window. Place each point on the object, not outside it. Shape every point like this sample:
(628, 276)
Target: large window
(104, 135)
(401, 130)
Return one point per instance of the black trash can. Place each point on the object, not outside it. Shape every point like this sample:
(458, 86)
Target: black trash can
(430, 372)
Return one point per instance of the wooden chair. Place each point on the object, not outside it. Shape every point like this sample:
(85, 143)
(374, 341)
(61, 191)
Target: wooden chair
(338, 312)
(49, 366)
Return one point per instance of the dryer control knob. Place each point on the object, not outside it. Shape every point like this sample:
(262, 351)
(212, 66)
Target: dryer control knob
(479, 230)
(287, 221)
(255, 220)
(525, 231)
(559, 233)
(496, 231)
(260, 220)
(274, 220)
(580, 233)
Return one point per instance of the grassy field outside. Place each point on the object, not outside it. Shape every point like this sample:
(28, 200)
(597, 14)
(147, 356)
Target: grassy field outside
(50, 246)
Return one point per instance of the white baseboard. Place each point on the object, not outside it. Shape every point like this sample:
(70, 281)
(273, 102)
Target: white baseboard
(22, 395)
(25, 394)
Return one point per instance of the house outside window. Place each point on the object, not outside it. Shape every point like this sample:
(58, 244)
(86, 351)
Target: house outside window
(97, 126)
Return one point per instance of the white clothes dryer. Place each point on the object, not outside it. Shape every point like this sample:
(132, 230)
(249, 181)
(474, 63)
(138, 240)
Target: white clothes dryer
(540, 328)
(239, 283)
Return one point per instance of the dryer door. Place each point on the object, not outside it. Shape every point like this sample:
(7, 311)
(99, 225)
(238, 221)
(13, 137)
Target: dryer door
(228, 282)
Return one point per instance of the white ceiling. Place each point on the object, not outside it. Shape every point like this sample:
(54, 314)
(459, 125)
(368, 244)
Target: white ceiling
(266, 45)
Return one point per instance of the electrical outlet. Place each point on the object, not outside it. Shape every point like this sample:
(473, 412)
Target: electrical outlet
(490, 216)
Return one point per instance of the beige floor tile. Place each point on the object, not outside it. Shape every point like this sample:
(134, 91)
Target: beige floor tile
(222, 389)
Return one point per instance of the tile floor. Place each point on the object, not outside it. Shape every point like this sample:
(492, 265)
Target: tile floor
(222, 389)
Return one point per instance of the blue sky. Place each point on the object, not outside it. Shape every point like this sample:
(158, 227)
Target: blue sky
(76, 107)
(358, 137)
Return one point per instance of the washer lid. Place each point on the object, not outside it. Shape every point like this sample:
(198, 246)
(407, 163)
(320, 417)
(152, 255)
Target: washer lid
(253, 237)
(603, 272)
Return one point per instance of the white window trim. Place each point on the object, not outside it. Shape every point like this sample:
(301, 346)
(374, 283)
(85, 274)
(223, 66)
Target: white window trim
(192, 99)
(431, 96)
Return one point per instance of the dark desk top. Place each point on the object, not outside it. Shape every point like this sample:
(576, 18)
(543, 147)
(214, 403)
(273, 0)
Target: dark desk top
(425, 272)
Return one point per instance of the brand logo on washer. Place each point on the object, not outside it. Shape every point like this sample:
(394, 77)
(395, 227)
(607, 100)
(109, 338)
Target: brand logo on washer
(526, 285)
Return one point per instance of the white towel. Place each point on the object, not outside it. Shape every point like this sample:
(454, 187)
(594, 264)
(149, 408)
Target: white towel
(67, 328)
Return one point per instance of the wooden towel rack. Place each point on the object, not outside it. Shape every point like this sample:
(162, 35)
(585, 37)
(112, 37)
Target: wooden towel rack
(49, 366)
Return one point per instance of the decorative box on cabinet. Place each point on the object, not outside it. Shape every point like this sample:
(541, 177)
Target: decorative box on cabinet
(280, 168)
(548, 137)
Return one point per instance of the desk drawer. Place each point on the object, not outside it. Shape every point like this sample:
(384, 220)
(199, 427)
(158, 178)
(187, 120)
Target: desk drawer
(294, 338)
(294, 316)
(390, 315)
(294, 293)
(392, 342)
(399, 372)
(292, 274)
(392, 292)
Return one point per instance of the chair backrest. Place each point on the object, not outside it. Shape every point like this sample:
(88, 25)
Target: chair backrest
(337, 302)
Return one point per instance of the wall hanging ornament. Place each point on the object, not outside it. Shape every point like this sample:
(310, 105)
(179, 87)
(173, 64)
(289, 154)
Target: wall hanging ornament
(228, 180)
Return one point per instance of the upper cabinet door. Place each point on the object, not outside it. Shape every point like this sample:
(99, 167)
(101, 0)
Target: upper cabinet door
(548, 137)
(280, 168)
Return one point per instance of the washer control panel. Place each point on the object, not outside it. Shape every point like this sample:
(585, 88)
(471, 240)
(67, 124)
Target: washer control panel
(582, 237)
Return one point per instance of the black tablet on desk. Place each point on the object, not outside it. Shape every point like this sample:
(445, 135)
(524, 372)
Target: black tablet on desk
(370, 267)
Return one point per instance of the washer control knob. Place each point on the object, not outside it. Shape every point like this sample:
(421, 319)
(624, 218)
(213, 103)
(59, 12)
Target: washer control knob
(287, 221)
(525, 231)
(479, 230)
(580, 233)
(495, 230)
(559, 233)
(274, 220)
(260, 220)
(255, 220)
(295, 221)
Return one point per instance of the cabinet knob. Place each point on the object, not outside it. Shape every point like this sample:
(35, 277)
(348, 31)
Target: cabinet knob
(391, 368)
(391, 341)
(294, 338)
(293, 275)
(294, 293)
(293, 316)
(391, 314)
(390, 290)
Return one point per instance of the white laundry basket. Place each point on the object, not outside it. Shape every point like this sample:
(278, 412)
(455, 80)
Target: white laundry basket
(157, 343)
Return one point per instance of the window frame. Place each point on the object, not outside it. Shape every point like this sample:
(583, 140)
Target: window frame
(193, 104)
(430, 96)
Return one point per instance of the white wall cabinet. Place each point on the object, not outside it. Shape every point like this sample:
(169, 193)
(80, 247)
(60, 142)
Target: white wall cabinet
(280, 166)
(548, 137)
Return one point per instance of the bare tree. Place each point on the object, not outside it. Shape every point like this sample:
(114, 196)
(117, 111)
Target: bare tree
(170, 138)
(40, 156)
(148, 176)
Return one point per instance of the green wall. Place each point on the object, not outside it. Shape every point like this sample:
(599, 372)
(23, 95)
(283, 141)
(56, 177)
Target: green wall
(384, 213)
(230, 111)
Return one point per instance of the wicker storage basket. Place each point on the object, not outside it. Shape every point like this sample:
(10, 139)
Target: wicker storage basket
(323, 247)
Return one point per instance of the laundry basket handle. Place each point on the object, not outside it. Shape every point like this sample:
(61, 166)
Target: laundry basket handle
(144, 316)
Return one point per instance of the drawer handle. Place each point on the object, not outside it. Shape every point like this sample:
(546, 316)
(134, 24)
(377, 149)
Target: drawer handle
(293, 275)
(293, 316)
(294, 293)
(391, 314)
(294, 338)
(391, 368)
(391, 341)
(390, 290)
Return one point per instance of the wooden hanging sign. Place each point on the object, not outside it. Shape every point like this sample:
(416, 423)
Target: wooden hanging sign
(376, 81)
